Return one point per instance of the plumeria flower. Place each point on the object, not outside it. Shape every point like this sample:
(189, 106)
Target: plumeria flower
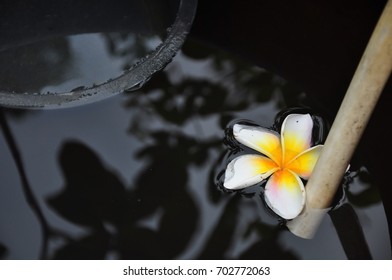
(284, 160)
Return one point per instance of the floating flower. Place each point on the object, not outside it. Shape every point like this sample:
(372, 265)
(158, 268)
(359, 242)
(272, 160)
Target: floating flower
(284, 160)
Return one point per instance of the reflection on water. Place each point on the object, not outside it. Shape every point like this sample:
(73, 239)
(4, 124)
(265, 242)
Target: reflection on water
(61, 64)
(133, 177)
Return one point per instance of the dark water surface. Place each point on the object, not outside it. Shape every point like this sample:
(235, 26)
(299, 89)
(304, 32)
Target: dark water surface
(133, 177)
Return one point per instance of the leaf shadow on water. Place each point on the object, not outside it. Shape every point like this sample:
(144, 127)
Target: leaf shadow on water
(223, 236)
(163, 187)
(116, 215)
(94, 197)
(158, 215)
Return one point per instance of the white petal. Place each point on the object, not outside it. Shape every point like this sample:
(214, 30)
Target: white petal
(285, 194)
(248, 170)
(296, 135)
(263, 140)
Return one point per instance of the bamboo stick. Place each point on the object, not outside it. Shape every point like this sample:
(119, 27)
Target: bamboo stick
(351, 120)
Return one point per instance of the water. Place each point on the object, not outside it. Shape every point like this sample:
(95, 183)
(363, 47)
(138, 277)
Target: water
(133, 176)
(45, 67)
(69, 63)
